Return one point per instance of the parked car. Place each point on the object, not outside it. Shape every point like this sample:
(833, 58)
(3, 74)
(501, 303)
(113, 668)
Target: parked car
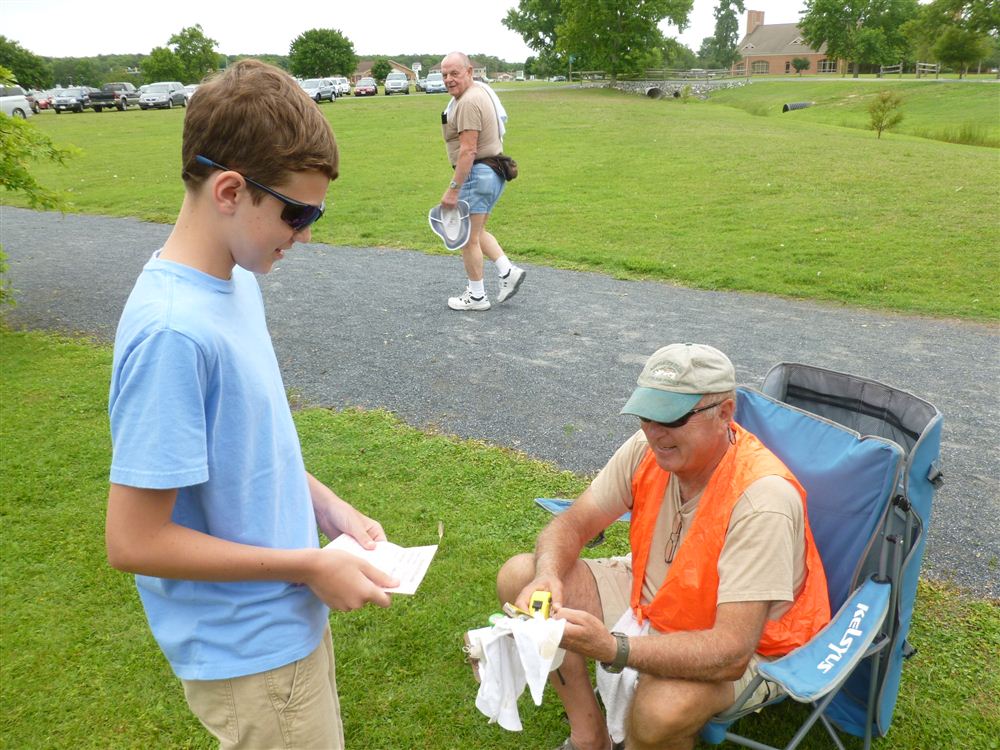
(419, 84)
(163, 95)
(14, 102)
(319, 89)
(43, 100)
(396, 83)
(435, 84)
(341, 85)
(366, 87)
(189, 90)
(556, 79)
(114, 95)
(71, 100)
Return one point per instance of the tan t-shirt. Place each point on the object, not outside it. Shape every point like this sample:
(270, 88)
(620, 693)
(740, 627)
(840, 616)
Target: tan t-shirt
(763, 557)
(473, 110)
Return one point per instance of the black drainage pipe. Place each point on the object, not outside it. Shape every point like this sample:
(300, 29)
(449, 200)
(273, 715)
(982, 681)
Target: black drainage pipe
(796, 105)
(654, 93)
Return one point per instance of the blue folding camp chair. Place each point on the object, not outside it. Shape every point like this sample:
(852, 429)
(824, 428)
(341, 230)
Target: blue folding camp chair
(867, 455)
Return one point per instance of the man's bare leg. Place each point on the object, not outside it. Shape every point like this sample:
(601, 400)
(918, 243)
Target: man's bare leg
(668, 714)
(480, 242)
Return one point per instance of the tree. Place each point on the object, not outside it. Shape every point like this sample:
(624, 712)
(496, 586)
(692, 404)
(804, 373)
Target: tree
(161, 65)
(859, 31)
(536, 21)
(76, 71)
(884, 111)
(21, 142)
(381, 69)
(616, 35)
(26, 68)
(957, 33)
(195, 54)
(677, 55)
(322, 52)
(959, 48)
(727, 30)
(800, 64)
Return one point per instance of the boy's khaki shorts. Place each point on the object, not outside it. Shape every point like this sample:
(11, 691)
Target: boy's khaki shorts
(614, 585)
(294, 706)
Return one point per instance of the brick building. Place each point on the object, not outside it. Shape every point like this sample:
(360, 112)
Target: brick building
(768, 49)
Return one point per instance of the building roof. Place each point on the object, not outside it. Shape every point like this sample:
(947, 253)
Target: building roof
(777, 39)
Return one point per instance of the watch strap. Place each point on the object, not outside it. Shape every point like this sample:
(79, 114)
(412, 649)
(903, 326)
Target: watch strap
(621, 654)
(454, 185)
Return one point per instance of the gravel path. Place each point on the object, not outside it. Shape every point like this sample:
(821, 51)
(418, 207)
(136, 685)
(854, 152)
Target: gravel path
(546, 372)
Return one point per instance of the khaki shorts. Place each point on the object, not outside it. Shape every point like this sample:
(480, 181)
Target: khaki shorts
(294, 706)
(614, 585)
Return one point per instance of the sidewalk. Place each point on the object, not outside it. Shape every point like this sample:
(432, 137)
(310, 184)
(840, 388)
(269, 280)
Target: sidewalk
(547, 371)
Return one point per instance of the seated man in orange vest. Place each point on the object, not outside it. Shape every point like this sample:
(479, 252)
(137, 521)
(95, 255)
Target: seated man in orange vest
(726, 573)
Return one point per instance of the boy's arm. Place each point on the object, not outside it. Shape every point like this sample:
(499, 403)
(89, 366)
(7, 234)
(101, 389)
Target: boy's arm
(335, 516)
(142, 538)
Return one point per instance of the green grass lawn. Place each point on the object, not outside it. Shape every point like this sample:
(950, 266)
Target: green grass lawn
(967, 112)
(804, 205)
(80, 670)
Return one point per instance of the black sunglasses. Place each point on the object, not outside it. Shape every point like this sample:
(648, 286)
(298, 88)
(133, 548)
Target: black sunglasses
(681, 421)
(296, 214)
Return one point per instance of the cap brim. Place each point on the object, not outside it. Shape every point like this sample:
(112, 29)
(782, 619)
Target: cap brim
(453, 226)
(660, 406)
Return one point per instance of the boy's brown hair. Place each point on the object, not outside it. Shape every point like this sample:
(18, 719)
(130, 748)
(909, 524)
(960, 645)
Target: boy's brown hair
(255, 119)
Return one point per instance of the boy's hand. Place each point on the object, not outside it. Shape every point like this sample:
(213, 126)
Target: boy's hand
(345, 582)
(335, 516)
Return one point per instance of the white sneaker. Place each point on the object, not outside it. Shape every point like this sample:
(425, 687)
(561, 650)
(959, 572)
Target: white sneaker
(468, 302)
(510, 284)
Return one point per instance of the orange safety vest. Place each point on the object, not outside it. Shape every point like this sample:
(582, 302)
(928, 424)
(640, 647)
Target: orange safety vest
(687, 598)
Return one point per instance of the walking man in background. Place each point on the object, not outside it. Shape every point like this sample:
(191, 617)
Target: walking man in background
(473, 126)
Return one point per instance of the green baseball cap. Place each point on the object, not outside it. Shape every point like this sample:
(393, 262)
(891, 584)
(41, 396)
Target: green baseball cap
(675, 378)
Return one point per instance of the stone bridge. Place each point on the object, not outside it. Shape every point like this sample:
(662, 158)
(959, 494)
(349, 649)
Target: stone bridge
(675, 87)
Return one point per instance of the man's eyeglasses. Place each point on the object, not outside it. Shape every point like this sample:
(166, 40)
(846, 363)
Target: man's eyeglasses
(296, 214)
(681, 421)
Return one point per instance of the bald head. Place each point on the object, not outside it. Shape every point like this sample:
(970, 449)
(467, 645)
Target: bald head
(458, 58)
(456, 69)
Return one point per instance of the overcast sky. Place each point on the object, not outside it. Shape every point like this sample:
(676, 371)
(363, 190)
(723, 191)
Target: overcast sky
(77, 28)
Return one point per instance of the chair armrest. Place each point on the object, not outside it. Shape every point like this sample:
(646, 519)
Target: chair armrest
(821, 665)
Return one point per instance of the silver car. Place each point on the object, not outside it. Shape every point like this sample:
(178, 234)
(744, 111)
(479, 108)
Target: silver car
(435, 84)
(397, 83)
(319, 89)
(341, 85)
(163, 95)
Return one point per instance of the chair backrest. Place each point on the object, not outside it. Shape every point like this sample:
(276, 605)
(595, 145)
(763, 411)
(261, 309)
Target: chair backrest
(881, 418)
(848, 479)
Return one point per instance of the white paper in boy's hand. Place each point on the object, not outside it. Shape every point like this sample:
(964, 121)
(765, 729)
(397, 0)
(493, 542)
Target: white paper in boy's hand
(407, 564)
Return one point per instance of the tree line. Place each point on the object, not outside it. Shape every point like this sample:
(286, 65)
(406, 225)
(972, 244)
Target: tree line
(189, 55)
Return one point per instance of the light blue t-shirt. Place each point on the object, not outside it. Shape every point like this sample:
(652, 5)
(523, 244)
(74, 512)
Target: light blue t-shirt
(197, 403)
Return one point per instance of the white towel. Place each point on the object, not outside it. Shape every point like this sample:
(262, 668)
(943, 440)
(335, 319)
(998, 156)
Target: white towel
(497, 106)
(515, 653)
(617, 689)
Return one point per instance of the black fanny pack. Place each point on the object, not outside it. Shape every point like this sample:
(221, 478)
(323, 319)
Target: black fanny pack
(503, 165)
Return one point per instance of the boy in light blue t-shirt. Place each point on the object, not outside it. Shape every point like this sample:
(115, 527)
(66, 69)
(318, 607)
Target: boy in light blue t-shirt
(210, 503)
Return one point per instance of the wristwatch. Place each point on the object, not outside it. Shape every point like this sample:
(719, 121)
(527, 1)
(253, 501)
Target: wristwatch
(621, 655)
(454, 185)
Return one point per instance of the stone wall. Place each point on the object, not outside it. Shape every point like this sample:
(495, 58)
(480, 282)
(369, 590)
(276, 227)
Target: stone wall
(657, 89)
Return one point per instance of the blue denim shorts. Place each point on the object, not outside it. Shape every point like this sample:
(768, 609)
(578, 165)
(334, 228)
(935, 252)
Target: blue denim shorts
(481, 189)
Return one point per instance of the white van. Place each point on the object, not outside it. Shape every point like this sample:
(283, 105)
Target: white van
(14, 102)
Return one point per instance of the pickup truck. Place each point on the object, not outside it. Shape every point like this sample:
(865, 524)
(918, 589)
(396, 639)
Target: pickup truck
(114, 95)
